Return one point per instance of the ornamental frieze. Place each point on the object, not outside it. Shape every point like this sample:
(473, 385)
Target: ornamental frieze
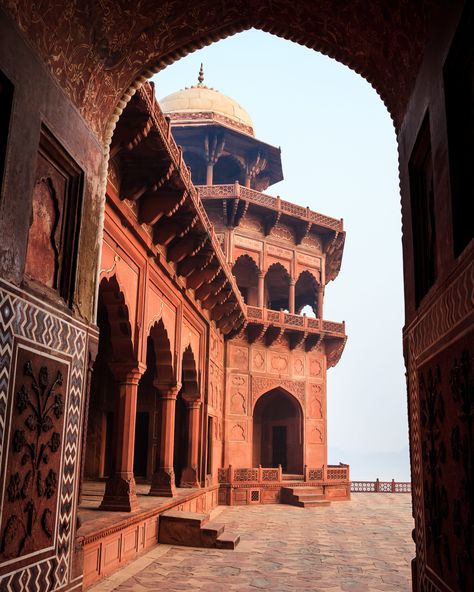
(261, 385)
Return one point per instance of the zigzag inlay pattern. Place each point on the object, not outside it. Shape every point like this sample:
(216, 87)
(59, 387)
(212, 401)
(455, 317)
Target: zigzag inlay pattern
(19, 317)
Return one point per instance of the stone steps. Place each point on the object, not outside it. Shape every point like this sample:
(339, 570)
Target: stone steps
(309, 497)
(194, 529)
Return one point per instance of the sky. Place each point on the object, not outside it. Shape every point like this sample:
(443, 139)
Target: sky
(339, 158)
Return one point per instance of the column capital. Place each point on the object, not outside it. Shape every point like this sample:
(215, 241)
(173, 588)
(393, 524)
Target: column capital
(126, 372)
(261, 274)
(165, 391)
(193, 403)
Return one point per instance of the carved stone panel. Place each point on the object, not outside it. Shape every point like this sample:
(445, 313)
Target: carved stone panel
(239, 358)
(54, 229)
(316, 432)
(278, 363)
(239, 389)
(47, 497)
(238, 432)
(35, 448)
(298, 366)
(259, 360)
(261, 385)
(315, 408)
(315, 367)
(446, 393)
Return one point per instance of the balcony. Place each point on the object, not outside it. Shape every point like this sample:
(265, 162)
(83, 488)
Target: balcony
(272, 326)
(245, 194)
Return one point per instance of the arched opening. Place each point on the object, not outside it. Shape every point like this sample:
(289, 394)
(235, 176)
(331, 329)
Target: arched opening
(187, 424)
(277, 287)
(144, 436)
(386, 45)
(245, 271)
(278, 432)
(306, 294)
(115, 354)
(100, 421)
(227, 170)
(197, 165)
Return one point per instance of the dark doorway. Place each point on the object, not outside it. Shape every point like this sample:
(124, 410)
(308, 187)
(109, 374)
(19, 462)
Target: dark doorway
(278, 432)
(180, 438)
(140, 454)
(279, 447)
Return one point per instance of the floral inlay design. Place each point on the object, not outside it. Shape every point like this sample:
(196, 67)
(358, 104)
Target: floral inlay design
(32, 482)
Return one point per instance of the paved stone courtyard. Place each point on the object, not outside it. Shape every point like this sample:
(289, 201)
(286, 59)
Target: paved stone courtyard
(355, 546)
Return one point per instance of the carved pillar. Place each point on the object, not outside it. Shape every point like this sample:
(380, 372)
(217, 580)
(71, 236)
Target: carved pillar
(190, 477)
(210, 173)
(248, 180)
(261, 289)
(320, 301)
(163, 483)
(291, 297)
(120, 492)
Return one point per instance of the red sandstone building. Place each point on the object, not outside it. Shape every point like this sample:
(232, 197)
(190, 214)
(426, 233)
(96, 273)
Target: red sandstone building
(203, 378)
(225, 372)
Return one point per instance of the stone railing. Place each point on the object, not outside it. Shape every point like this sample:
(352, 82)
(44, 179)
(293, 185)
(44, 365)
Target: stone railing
(381, 486)
(332, 473)
(275, 203)
(275, 317)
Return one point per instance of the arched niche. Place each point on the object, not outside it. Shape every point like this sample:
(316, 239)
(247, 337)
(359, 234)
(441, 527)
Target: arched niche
(228, 170)
(189, 392)
(306, 293)
(164, 371)
(278, 431)
(246, 272)
(277, 287)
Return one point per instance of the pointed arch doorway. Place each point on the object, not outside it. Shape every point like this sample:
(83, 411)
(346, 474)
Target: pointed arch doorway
(278, 432)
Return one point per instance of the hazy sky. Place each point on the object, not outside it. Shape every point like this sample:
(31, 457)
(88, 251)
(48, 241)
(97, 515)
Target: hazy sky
(339, 158)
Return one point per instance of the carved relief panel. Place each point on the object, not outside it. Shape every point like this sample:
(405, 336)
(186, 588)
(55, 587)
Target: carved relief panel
(298, 366)
(238, 431)
(35, 448)
(41, 406)
(55, 217)
(259, 360)
(315, 403)
(315, 366)
(316, 432)
(239, 392)
(239, 358)
(278, 363)
(445, 386)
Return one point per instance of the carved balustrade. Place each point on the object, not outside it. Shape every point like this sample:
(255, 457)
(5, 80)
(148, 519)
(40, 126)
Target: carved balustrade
(381, 486)
(294, 321)
(256, 197)
(324, 474)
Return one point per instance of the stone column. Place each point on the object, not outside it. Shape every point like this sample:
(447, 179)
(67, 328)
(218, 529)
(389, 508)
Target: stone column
(210, 173)
(120, 492)
(261, 289)
(320, 301)
(163, 483)
(291, 297)
(190, 476)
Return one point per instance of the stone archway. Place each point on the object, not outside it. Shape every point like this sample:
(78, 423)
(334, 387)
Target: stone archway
(278, 432)
(100, 66)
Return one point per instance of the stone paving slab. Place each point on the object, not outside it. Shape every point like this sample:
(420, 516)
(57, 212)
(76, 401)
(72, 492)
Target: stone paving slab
(358, 546)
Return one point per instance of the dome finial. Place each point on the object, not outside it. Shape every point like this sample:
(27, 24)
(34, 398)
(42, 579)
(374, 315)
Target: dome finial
(201, 75)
